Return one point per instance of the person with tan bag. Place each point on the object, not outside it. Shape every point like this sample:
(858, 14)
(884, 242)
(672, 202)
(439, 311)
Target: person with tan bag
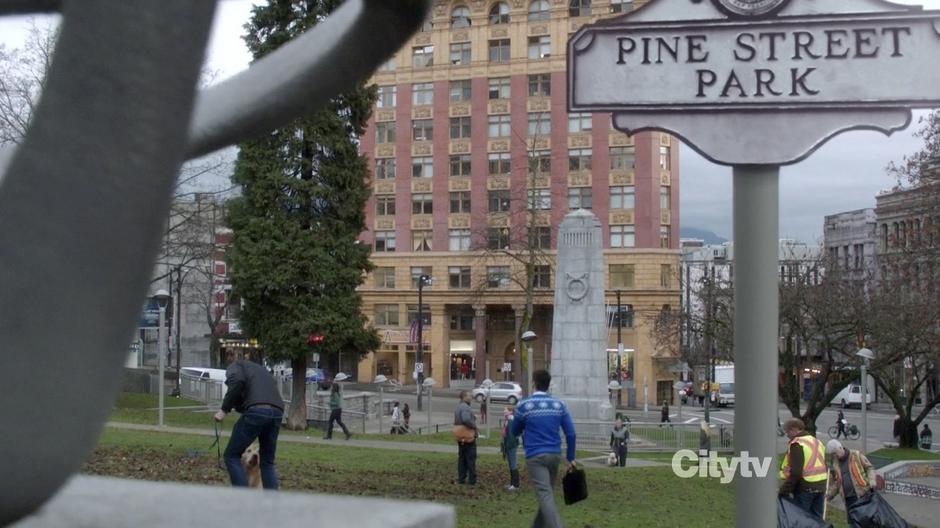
(465, 433)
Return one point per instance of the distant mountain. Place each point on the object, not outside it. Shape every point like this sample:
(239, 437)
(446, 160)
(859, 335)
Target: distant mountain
(707, 236)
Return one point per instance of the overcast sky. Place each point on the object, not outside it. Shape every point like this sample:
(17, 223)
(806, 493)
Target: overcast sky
(844, 174)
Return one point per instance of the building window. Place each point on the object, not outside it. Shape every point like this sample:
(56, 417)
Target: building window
(416, 273)
(665, 275)
(385, 278)
(540, 124)
(460, 165)
(384, 205)
(580, 198)
(665, 159)
(542, 277)
(385, 132)
(422, 56)
(664, 197)
(388, 65)
(538, 10)
(460, 127)
(462, 320)
(386, 315)
(498, 277)
(540, 47)
(460, 202)
(497, 238)
(425, 314)
(621, 275)
(541, 162)
(498, 163)
(578, 8)
(579, 122)
(579, 160)
(622, 158)
(540, 199)
(385, 169)
(499, 13)
(664, 236)
(384, 241)
(460, 54)
(458, 277)
(422, 130)
(859, 255)
(499, 88)
(498, 201)
(623, 318)
(540, 85)
(422, 94)
(421, 240)
(621, 197)
(622, 236)
(387, 97)
(460, 91)
(459, 240)
(422, 167)
(422, 203)
(543, 237)
(460, 17)
(498, 125)
(620, 6)
(499, 50)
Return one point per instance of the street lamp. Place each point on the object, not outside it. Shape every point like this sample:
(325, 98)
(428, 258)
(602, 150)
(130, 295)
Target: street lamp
(528, 337)
(614, 385)
(419, 357)
(381, 380)
(163, 298)
(619, 350)
(427, 384)
(866, 355)
(486, 385)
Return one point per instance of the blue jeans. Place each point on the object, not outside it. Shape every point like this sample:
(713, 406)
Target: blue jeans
(261, 423)
(511, 458)
(811, 502)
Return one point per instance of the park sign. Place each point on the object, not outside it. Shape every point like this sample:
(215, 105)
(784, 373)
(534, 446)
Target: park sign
(790, 72)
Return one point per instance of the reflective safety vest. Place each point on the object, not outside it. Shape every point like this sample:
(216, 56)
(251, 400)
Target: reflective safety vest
(856, 469)
(814, 459)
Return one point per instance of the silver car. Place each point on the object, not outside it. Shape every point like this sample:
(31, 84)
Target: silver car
(506, 391)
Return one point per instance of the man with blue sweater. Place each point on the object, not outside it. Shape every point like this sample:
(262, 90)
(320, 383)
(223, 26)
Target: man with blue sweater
(538, 419)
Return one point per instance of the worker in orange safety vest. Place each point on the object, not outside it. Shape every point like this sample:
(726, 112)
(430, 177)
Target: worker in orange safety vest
(852, 475)
(803, 470)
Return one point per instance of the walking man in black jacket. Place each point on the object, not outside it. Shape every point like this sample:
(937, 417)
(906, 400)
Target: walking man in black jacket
(253, 393)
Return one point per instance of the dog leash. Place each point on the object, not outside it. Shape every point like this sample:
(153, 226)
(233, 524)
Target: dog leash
(218, 445)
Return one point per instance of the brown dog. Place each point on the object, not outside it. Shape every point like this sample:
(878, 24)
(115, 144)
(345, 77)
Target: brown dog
(251, 461)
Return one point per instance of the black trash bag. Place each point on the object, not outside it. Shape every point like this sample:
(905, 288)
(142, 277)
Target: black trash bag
(789, 515)
(873, 511)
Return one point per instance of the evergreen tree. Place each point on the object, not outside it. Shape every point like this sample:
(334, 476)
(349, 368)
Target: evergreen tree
(295, 258)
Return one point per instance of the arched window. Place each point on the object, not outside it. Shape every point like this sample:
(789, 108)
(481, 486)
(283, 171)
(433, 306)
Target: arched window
(538, 10)
(460, 17)
(499, 13)
(578, 8)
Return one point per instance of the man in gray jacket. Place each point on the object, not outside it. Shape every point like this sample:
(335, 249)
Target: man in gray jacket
(253, 393)
(466, 449)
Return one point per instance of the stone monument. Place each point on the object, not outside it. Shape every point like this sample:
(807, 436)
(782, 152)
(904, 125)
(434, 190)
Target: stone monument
(579, 330)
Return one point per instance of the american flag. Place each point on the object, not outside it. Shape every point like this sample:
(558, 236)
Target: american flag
(413, 335)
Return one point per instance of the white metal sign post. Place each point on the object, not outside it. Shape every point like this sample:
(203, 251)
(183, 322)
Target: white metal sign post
(756, 84)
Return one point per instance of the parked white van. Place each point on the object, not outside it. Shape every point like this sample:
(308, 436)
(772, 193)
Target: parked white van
(851, 396)
(202, 373)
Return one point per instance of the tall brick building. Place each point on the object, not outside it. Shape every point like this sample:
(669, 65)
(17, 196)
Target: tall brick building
(472, 150)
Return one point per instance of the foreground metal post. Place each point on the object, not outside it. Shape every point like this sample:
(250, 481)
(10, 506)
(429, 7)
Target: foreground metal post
(756, 204)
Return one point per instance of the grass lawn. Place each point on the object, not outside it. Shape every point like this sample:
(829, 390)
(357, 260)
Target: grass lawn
(637, 497)
(890, 455)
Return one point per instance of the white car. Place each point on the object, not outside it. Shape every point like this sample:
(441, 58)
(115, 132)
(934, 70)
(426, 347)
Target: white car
(506, 391)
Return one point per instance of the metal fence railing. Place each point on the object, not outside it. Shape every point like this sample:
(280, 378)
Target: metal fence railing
(594, 435)
(206, 391)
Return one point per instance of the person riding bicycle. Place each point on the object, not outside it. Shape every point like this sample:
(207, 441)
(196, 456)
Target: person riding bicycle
(840, 423)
